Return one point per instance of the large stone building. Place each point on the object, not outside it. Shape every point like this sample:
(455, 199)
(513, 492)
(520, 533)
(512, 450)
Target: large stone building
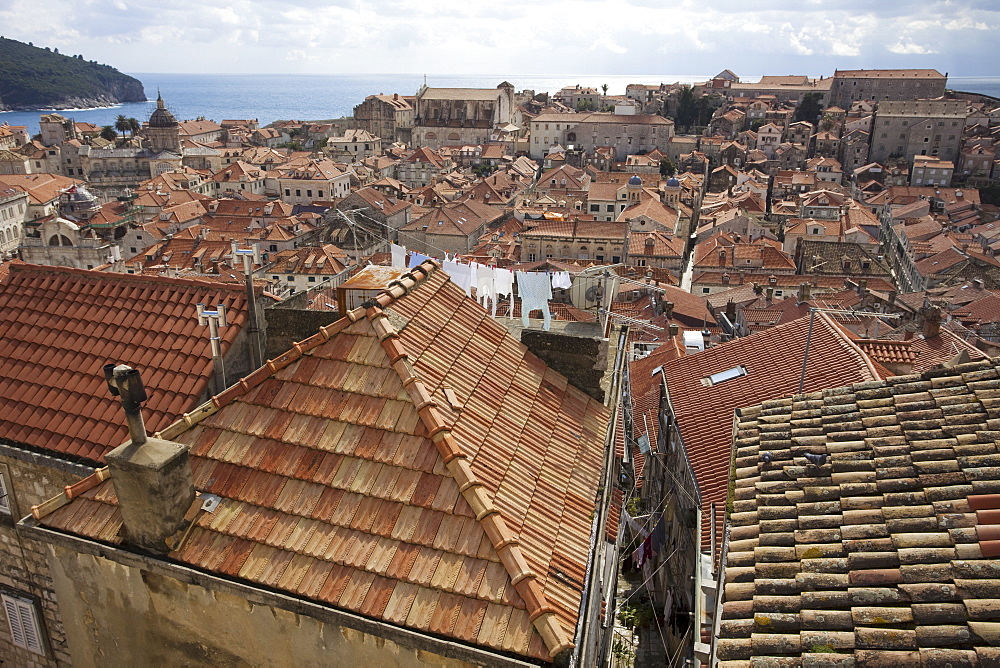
(851, 85)
(456, 116)
(625, 134)
(922, 127)
(387, 116)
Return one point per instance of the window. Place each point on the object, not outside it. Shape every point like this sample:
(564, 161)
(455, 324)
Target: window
(133, 251)
(312, 279)
(595, 207)
(705, 291)
(6, 507)
(274, 278)
(611, 208)
(723, 376)
(23, 619)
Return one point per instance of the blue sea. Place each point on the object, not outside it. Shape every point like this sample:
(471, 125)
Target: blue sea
(272, 97)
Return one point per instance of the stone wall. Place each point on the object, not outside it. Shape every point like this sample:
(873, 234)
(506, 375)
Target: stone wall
(582, 359)
(290, 322)
(24, 571)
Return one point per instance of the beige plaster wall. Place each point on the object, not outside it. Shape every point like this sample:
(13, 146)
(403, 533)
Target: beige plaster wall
(127, 616)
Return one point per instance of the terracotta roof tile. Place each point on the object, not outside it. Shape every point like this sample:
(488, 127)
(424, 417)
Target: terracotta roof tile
(62, 325)
(894, 496)
(333, 490)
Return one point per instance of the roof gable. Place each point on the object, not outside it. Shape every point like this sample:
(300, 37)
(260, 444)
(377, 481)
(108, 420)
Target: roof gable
(386, 464)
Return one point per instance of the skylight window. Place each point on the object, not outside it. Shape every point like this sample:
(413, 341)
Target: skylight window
(723, 376)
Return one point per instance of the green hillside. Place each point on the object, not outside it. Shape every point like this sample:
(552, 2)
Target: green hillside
(37, 78)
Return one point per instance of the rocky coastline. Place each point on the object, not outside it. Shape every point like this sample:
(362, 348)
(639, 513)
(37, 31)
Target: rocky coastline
(74, 104)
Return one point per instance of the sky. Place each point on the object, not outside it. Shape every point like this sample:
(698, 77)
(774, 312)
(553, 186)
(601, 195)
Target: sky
(811, 37)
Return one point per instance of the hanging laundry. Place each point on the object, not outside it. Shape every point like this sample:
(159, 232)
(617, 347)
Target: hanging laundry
(535, 290)
(474, 268)
(503, 284)
(561, 279)
(398, 256)
(461, 274)
(659, 535)
(415, 259)
(484, 287)
(503, 281)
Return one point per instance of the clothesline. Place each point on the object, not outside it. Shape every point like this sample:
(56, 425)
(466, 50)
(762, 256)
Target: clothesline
(533, 288)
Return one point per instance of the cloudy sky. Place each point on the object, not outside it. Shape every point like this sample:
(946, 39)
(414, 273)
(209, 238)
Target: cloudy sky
(517, 36)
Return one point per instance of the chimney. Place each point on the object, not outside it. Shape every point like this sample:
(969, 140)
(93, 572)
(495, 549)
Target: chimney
(862, 286)
(770, 294)
(152, 477)
(668, 310)
(673, 330)
(731, 310)
(804, 292)
(979, 283)
(932, 321)
(892, 297)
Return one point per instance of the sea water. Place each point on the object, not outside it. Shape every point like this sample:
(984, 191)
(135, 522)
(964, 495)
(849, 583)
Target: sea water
(271, 97)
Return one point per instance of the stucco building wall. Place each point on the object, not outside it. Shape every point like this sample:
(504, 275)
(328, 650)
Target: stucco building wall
(132, 610)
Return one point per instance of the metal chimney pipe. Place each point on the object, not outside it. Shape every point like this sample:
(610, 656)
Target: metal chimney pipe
(125, 382)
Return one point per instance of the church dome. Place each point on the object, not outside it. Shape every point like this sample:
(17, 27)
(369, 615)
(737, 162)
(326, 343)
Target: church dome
(635, 181)
(161, 118)
(673, 183)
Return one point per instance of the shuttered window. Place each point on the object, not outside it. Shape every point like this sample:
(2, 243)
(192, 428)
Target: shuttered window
(22, 618)
(5, 506)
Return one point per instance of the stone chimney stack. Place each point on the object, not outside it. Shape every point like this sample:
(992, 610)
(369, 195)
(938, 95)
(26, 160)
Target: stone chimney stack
(152, 477)
(804, 292)
(668, 310)
(932, 321)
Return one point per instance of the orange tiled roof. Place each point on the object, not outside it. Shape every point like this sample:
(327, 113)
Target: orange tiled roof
(384, 466)
(60, 326)
(773, 360)
(888, 351)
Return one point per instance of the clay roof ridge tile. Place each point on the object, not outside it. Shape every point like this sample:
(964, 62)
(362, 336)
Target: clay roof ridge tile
(525, 581)
(69, 493)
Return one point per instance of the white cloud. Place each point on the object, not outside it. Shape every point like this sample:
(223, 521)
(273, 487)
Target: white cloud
(908, 48)
(607, 43)
(587, 36)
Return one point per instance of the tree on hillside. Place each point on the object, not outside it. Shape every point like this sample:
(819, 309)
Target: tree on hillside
(687, 108)
(809, 108)
(122, 124)
(108, 132)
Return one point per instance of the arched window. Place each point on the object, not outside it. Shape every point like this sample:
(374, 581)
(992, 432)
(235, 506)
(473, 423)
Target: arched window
(430, 135)
(454, 137)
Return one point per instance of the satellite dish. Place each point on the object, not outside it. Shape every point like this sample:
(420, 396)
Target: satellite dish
(594, 293)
